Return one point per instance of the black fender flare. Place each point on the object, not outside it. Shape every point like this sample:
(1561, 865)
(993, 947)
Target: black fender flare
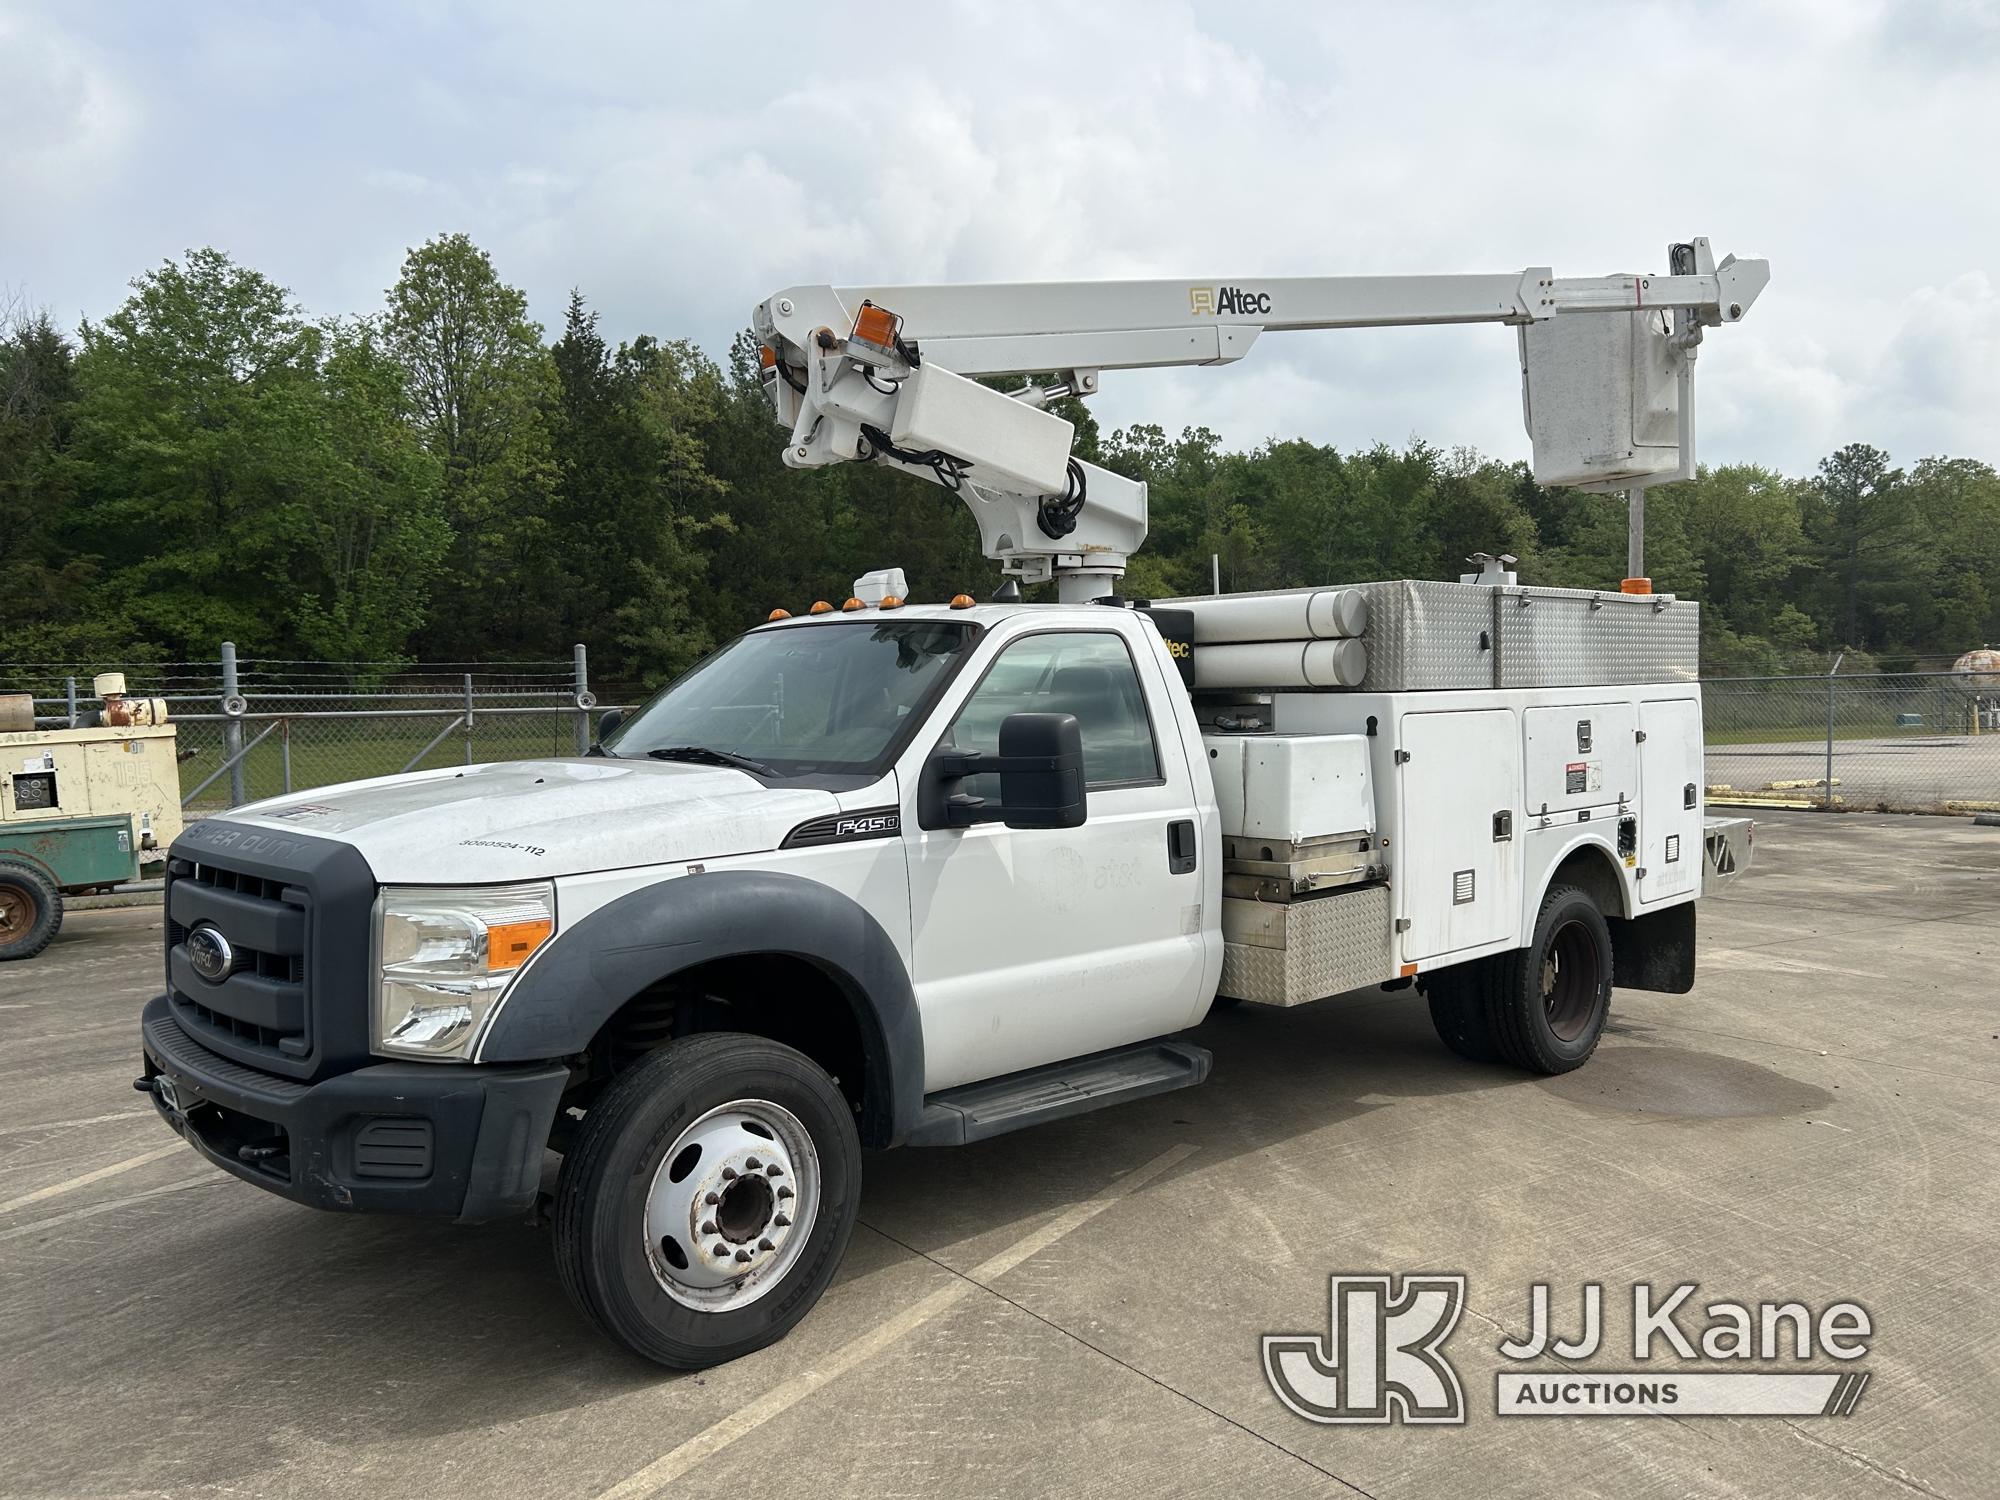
(647, 935)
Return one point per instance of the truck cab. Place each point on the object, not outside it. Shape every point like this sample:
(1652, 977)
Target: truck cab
(394, 995)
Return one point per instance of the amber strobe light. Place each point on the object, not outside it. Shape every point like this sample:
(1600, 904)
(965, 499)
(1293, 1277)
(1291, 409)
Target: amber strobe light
(876, 327)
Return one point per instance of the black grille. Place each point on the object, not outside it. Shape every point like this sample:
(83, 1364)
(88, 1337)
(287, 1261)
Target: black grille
(262, 1005)
(297, 912)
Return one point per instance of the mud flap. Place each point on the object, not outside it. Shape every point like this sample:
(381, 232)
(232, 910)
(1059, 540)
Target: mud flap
(1654, 951)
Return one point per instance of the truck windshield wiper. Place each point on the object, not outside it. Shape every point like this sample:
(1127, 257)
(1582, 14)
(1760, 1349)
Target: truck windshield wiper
(707, 756)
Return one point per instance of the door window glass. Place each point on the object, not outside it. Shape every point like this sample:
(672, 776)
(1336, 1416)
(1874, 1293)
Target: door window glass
(1085, 673)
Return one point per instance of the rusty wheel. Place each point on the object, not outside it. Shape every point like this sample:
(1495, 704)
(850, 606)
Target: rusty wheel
(30, 910)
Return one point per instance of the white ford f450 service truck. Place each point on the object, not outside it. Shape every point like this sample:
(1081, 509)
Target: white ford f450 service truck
(889, 874)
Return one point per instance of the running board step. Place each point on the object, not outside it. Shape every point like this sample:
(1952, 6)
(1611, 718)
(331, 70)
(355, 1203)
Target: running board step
(975, 1111)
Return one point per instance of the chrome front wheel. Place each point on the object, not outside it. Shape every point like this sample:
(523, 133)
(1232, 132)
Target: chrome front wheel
(732, 1205)
(707, 1198)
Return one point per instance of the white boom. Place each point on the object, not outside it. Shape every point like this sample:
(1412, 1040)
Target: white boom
(883, 374)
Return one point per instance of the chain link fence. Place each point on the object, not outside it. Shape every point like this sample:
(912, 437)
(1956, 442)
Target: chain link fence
(1918, 741)
(253, 728)
(1926, 741)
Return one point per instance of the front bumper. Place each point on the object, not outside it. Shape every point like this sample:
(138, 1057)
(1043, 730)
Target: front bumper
(434, 1139)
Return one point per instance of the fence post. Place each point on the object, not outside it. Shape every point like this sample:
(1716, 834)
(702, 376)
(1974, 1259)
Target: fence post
(1832, 676)
(72, 703)
(468, 718)
(232, 727)
(580, 687)
(285, 743)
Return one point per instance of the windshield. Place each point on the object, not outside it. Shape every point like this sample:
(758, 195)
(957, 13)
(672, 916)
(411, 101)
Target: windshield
(833, 698)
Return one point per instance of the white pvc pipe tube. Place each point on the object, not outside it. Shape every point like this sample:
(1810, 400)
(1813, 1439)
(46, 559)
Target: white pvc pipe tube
(1324, 614)
(1281, 664)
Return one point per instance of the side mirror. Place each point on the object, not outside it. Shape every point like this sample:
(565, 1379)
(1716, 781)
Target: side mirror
(1041, 771)
(1040, 766)
(607, 721)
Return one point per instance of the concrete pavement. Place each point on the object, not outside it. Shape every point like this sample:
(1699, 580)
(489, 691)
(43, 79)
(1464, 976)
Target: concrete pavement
(1077, 1309)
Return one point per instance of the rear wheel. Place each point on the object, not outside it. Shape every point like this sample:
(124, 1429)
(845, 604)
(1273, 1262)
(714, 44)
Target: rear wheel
(1549, 1001)
(707, 1199)
(31, 910)
(1457, 999)
(1542, 1007)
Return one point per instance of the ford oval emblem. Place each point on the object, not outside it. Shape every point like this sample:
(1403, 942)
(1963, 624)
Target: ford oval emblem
(209, 953)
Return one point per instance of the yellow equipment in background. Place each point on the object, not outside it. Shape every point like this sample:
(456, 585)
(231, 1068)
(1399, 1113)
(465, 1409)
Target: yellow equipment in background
(81, 809)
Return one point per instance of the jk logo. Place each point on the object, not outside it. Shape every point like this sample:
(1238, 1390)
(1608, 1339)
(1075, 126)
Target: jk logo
(1381, 1358)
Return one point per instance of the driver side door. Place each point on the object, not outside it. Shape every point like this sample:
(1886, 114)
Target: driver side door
(1031, 945)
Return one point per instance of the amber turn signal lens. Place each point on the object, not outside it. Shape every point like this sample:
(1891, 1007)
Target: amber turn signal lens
(777, 614)
(509, 943)
(961, 601)
(853, 604)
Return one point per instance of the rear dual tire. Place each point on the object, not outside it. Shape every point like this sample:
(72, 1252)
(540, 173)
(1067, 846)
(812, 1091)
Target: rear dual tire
(1542, 1007)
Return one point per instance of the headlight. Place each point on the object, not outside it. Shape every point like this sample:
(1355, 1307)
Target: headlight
(443, 957)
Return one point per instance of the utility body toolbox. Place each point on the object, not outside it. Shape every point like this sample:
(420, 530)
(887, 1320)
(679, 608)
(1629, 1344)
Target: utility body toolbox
(1377, 832)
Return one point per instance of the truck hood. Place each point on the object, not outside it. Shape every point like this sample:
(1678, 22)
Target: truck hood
(533, 819)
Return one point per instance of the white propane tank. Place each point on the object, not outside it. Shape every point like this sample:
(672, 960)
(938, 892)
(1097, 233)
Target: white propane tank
(1322, 614)
(1280, 664)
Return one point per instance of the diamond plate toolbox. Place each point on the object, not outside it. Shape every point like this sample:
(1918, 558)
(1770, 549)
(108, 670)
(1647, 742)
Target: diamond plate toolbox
(1577, 638)
(1424, 636)
(1276, 953)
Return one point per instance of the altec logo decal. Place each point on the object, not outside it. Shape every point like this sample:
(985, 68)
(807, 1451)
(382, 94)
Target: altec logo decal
(1382, 1358)
(1226, 302)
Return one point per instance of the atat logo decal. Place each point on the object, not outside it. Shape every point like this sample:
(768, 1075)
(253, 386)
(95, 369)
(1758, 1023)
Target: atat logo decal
(1226, 302)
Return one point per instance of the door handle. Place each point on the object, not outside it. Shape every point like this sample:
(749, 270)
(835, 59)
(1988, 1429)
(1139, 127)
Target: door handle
(1180, 847)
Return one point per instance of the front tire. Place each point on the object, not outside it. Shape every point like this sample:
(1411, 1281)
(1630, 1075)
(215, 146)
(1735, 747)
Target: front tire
(31, 910)
(707, 1199)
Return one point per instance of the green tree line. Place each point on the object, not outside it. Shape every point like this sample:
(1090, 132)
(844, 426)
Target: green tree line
(440, 481)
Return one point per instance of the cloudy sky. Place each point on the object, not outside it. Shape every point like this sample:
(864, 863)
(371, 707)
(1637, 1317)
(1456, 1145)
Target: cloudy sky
(678, 163)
